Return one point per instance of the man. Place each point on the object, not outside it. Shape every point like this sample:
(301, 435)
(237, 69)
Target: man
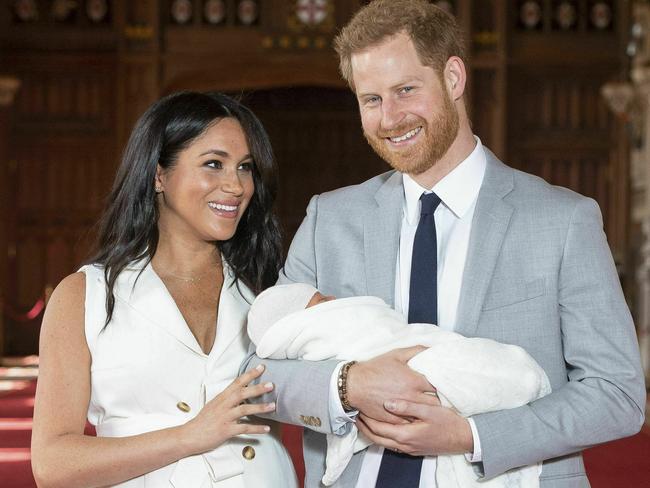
(455, 235)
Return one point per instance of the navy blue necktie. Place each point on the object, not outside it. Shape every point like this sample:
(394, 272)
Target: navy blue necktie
(399, 470)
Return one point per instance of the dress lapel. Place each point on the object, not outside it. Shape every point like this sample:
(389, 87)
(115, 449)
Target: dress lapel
(146, 293)
(489, 225)
(151, 299)
(233, 308)
(381, 239)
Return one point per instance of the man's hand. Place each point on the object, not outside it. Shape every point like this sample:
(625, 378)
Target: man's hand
(371, 382)
(433, 430)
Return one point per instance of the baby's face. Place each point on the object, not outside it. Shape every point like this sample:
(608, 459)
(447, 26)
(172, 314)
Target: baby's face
(318, 297)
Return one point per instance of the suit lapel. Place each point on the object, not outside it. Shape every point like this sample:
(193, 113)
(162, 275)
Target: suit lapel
(381, 239)
(489, 226)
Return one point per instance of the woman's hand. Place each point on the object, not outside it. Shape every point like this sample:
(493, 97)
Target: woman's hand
(220, 418)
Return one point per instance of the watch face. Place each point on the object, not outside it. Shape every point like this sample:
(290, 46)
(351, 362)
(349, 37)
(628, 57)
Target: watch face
(214, 11)
(96, 10)
(247, 12)
(530, 14)
(181, 11)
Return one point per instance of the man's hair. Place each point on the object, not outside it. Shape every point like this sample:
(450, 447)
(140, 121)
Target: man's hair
(435, 33)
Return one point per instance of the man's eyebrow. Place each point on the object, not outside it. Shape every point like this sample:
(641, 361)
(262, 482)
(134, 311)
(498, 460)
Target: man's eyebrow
(404, 82)
(364, 95)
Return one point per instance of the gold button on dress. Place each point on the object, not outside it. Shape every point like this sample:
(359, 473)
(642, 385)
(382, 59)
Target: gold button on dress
(183, 407)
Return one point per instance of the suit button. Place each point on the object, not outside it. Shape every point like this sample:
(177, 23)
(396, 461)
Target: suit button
(183, 407)
(248, 452)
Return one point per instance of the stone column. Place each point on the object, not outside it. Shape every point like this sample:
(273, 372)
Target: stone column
(8, 88)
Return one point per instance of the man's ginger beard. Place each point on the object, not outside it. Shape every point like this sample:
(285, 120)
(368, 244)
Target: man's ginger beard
(417, 159)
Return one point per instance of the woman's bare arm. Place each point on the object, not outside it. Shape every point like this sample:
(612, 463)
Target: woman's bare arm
(62, 456)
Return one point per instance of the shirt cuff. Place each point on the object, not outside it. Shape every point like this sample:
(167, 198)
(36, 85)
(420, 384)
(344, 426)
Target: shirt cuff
(477, 455)
(340, 419)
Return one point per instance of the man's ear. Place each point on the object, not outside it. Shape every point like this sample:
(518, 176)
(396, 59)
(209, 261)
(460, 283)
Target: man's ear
(455, 77)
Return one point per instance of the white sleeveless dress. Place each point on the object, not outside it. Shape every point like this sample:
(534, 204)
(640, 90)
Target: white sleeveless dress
(147, 368)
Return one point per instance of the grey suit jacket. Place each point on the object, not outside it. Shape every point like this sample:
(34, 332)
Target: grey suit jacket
(539, 274)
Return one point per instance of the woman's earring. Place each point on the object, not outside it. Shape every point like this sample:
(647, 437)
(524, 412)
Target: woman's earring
(158, 189)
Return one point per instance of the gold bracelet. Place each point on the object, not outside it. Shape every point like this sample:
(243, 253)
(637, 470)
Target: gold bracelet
(342, 384)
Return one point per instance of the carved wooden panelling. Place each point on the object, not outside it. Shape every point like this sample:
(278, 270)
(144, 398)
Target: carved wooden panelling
(64, 152)
(79, 102)
(565, 134)
(139, 87)
(61, 180)
(318, 142)
(486, 107)
(558, 103)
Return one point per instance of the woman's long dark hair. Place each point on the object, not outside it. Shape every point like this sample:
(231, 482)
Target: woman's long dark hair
(128, 229)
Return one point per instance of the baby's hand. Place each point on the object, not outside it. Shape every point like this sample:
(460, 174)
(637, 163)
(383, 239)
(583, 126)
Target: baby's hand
(318, 297)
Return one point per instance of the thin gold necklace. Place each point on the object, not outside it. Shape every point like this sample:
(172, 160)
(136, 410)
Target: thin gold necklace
(184, 279)
(192, 280)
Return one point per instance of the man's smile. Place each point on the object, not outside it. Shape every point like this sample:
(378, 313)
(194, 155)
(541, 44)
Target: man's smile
(405, 137)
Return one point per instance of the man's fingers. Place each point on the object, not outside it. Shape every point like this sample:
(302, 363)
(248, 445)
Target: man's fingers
(382, 429)
(406, 353)
(375, 438)
(419, 411)
(388, 417)
(428, 398)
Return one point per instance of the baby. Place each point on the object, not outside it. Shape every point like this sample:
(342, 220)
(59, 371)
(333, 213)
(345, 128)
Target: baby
(471, 375)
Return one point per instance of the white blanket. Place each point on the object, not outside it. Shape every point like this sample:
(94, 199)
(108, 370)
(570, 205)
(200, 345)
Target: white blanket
(471, 375)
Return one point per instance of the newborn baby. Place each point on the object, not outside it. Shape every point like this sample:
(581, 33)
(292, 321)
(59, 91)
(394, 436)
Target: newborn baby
(471, 375)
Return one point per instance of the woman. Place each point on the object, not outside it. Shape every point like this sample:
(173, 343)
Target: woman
(147, 340)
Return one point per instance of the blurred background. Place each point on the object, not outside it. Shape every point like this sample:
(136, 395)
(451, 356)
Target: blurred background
(558, 88)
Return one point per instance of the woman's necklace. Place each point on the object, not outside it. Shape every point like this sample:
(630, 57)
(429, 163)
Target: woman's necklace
(193, 284)
(185, 279)
(191, 279)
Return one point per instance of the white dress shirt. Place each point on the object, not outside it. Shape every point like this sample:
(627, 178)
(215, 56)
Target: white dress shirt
(458, 192)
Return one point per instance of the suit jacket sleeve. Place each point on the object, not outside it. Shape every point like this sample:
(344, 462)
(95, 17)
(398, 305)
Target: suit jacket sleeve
(604, 398)
(301, 388)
